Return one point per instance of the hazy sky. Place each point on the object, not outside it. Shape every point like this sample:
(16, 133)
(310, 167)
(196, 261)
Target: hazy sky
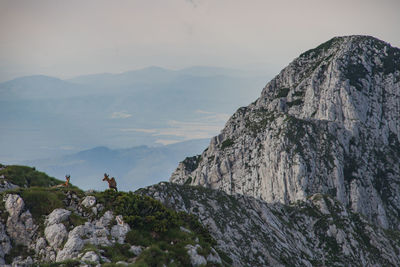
(67, 38)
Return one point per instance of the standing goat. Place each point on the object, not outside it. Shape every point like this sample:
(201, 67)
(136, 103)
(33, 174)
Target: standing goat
(112, 184)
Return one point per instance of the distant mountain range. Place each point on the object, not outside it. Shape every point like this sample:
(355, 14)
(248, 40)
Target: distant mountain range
(44, 116)
(132, 167)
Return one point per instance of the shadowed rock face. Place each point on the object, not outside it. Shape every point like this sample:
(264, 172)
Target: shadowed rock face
(319, 231)
(328, 123)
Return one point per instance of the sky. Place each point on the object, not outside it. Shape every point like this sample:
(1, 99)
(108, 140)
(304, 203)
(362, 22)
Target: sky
(75, 37)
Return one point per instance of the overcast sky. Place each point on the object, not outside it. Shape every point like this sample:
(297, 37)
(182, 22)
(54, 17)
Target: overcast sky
(67, 38)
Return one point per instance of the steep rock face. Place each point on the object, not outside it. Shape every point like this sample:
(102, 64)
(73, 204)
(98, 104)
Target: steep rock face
(328, 123)
(20, 226)
(319, 231)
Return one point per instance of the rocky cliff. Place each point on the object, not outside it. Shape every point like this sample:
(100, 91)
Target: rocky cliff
(328, 123)
(319, 231)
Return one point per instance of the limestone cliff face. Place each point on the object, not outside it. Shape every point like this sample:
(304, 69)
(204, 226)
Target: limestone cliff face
(328, 123)
(317, 232)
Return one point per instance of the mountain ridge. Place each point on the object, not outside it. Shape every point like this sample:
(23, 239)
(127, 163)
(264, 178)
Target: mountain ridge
(327, 123)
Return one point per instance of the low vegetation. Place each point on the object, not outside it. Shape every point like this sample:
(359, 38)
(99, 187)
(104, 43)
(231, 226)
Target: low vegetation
(283, 92)
(315, 52)
(24, 176)
(191, 163)
(227, 143)
(156, 227)
(162, 232)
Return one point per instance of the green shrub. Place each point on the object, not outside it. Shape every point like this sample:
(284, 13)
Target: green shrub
(139, 238)
(283, 92)
(153, 256)
(391, 62)
(227, 143)
(118, 252)
(355, 72)
(295, 102)
(157, 227)
(299, 93)
(139, 211)
(42, 201)
(191, 163)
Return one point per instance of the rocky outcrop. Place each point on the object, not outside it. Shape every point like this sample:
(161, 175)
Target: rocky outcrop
(319, 231)
(195, 258)
(86, 233)
(59, 242)
(5, 244)
(95, 233)
(20, 226)
(328, 123)
(6, 185)
(56, 232)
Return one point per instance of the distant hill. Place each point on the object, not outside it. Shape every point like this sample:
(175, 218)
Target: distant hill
(133, 167)
(38, 87)
(47, 117)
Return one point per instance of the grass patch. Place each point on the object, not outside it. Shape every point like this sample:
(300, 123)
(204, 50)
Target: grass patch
(42, 201)
(24, 176)
(76, 220)
(118, 252)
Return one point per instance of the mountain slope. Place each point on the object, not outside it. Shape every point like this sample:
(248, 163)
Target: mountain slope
(318, 231)
(328, 123)
(47, 226)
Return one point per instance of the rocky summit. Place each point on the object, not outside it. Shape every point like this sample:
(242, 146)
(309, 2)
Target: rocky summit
(328, 123)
